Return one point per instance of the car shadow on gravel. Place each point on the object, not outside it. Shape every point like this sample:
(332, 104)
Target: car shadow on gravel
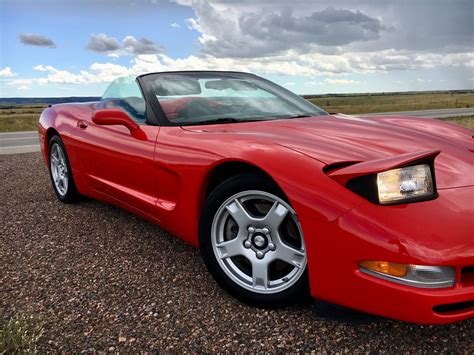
(329, 311)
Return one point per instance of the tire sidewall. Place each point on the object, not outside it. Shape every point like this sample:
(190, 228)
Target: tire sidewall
(244, 182)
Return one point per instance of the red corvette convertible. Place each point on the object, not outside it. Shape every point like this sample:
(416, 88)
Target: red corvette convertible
(283, 199)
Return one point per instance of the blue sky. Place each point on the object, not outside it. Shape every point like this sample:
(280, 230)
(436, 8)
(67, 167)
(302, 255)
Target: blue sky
(75, 48)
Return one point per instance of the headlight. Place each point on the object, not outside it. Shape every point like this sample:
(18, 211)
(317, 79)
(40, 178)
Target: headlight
(421, 276)
(411, 182)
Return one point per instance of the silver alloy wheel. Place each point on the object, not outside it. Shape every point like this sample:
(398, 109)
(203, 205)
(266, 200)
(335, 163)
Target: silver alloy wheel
(59, 170)
(258, 242)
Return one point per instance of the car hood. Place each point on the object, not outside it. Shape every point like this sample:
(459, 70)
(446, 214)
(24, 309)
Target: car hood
(341, 138)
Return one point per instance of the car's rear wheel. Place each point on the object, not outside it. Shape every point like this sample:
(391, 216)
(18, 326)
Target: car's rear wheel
(252, 242)
(60, 171)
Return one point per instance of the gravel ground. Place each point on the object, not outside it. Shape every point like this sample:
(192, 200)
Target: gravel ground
(105, 280)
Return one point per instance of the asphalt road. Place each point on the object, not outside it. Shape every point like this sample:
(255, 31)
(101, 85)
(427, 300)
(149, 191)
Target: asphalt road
(22, 142)
(102, 279)
(19, 142)
(438, 113)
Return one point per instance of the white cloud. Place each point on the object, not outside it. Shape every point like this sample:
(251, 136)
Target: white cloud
(7, 72)
(41, 67)
(102, 43)
(140, 46)
(309, 66)
(289, 84)
(340, 81)
(175, 25)
(193, 25)
(31, 39)
(21, 84)
(312, 83)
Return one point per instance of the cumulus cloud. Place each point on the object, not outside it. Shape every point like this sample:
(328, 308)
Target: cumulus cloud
(41, 67)
(340, 82)
(31, 39)
(6, 72)
(102, 43)
(249, 29)
(21, 84)
(324, 44)
(270, 31)
(307, 66)
(141, 46)
(312, 83)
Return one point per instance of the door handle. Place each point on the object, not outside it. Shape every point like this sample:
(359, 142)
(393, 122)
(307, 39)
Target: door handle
(82, 124)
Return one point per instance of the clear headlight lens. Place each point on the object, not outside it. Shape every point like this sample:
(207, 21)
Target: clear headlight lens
(405, 183)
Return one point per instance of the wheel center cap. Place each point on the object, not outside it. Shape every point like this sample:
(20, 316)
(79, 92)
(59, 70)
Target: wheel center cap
(260, 241)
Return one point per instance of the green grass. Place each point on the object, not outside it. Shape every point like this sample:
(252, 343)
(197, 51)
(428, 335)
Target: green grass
(466, 121)
(366, 103)
(20, 334)
(19, 118)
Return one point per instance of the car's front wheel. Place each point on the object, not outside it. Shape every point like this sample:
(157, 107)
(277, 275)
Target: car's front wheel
(60, 171)
(252, 242)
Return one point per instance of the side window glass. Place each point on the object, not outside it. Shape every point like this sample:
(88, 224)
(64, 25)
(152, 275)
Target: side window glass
(124, 94)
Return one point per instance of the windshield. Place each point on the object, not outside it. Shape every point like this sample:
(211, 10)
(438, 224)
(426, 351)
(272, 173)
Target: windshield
(189, 98)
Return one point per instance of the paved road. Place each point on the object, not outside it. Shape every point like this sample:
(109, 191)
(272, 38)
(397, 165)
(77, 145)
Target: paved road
(23, 142)
(19, 142)
(439, 113)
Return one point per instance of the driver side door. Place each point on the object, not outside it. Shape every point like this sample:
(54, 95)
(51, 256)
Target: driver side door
(120, 163)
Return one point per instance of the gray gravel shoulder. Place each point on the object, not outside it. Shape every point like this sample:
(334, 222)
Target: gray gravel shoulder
(105, 280)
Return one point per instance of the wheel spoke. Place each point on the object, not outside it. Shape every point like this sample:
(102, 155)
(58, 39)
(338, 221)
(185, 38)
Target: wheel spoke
(288, 254)
(260, 274)
(276, 215)
(61, 155)
(64, 183)
(239, 214)
(230, 248)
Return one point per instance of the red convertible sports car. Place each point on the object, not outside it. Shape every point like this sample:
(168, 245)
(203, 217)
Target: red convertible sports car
(283, 199)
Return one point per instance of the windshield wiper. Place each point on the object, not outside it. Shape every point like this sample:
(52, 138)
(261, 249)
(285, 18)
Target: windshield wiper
(300, 116)
(219, 121)
(213, 121)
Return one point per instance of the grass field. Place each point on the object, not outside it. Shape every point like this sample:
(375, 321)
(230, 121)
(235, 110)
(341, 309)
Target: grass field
(366, 103)
(25, 118)
(19, 118)
(466, 121)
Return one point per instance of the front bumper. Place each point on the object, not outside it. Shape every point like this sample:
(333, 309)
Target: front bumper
(437, 232)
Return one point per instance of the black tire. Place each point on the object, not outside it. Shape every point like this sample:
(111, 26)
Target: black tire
(298, 292)
(71, 195)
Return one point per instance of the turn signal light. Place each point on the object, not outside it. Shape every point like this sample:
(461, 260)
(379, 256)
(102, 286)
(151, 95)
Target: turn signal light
(384, 267)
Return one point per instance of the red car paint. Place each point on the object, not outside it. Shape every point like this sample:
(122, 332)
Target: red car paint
(163, 176)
